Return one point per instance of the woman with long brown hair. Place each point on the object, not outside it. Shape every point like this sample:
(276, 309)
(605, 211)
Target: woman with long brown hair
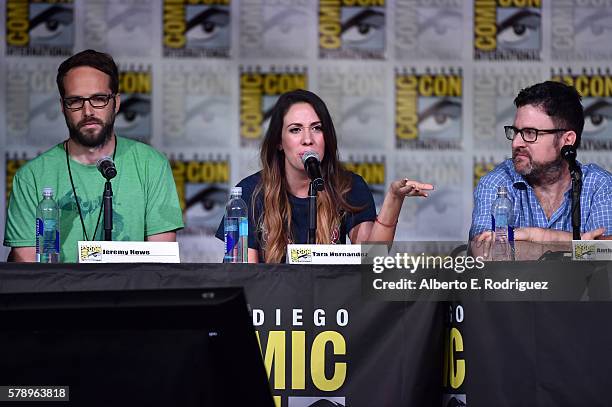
(277, 196)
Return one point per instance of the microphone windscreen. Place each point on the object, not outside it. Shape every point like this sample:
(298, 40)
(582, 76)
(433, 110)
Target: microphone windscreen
(106, 166)
(310, 154)
(568, 152)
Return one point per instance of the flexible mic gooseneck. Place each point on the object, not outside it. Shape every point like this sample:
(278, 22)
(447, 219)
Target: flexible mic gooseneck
(568, 152)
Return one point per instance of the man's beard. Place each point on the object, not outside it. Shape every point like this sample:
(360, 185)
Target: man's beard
(541, 173)
(91, 141)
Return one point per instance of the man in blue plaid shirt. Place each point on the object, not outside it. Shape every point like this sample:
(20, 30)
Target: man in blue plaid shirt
(549, 115)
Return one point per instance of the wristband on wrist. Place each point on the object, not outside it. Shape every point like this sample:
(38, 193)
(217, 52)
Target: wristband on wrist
(386, 224)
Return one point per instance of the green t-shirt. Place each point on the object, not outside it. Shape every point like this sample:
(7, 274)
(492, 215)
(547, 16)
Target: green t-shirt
(145, 201)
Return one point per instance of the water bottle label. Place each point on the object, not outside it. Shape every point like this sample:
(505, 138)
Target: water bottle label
(40, 227)
(229, 243)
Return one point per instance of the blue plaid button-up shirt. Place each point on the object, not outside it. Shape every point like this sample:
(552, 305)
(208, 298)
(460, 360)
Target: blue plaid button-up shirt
(595, 201)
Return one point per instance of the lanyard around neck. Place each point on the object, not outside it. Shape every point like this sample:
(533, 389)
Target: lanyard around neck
(76, 198)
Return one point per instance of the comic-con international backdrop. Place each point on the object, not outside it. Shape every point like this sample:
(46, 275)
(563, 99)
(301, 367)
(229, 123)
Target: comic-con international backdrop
(417, 88)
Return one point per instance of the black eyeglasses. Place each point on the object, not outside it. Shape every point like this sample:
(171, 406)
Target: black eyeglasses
(528, 134)
(96, 101)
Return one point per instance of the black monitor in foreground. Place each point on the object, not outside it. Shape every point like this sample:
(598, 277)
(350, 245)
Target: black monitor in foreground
(193, 347)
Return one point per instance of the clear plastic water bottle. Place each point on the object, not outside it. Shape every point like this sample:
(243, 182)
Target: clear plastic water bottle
(47, 229)
(236, 228)
(501, 216)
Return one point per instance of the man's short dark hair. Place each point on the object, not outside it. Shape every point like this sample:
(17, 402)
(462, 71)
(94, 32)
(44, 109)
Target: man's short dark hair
(558, 100)
(98, 60)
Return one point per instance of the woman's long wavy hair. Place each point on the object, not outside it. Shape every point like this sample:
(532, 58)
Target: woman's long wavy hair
(275, 221)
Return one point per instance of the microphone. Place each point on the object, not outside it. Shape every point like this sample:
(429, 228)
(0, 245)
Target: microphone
(568, 153)
(106, 166)
(312, 165)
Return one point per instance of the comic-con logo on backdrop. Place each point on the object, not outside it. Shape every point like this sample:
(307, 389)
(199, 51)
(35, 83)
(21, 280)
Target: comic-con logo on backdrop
(33, 117)
(507, 30)
(121, 27)
(134, 117)
(352, 29)
(372, 168)
(39, 27)
(356, 98)
(273, 28)
(202, 187)
(426, 29)
(595, 86)
(196, 28)
(581, 29)
(494, 93)
(421, 219)
(197, 103)
(13, 162)
(484, 164)
(259, 91)
(455, 366)
(305, 353)
(428, 108)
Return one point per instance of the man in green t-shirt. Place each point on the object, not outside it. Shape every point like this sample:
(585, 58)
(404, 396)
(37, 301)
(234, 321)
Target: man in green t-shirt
(145, 202)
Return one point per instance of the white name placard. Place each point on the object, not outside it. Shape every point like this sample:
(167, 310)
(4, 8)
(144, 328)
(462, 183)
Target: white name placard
(128, 252)
(334, 253)
(592, 250)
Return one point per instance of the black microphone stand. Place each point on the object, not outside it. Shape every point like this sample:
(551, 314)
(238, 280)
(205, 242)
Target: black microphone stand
(576, 174)
(312, 214)
(107, 200)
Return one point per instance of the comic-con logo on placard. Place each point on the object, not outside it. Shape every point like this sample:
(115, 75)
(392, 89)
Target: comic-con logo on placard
(120, 27)
(372, 168)
(196, 28)
(581, 29)
(428, 109)
(202, 186)
(595, 86)
(584, 251)
(34, 117)
(507, 30)
(428, 29)
(259, 91)
(134, 117)
(301, 255)
(91, 252)
(352, 29)
(39, 27)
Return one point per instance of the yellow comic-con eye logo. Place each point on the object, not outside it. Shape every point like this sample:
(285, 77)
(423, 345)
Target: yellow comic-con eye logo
(584, 252)
(301, 255)
(91, 253)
